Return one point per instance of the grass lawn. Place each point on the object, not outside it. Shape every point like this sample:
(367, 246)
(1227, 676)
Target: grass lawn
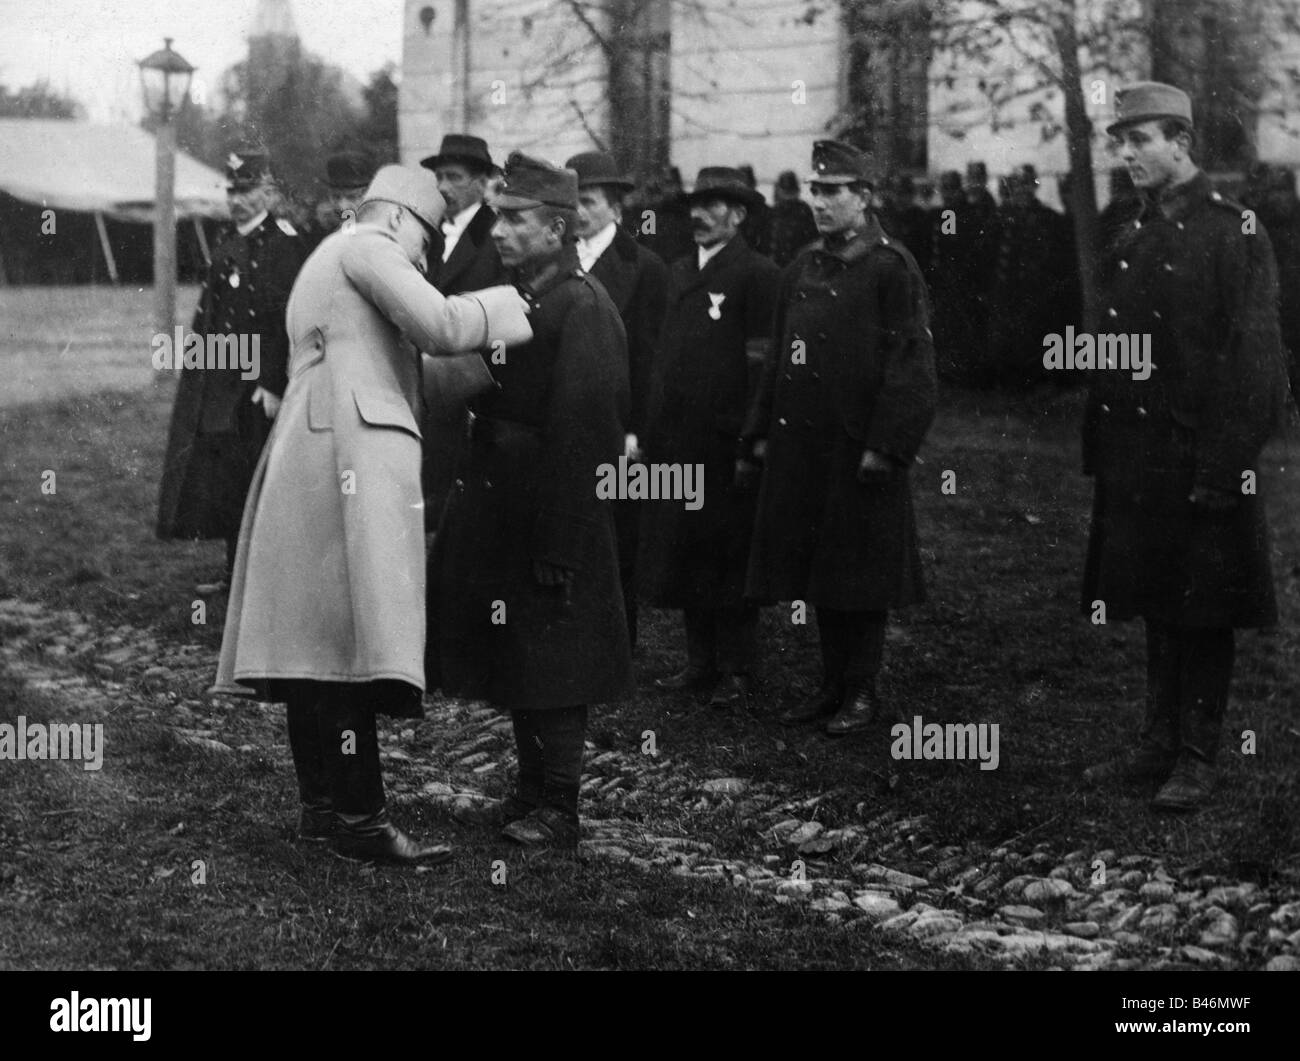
(1001, 640)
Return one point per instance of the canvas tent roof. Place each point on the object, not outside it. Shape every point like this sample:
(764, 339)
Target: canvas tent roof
(103, 168)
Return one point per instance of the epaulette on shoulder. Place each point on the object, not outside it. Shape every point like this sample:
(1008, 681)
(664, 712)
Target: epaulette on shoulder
(1227, 203)
(285, 227)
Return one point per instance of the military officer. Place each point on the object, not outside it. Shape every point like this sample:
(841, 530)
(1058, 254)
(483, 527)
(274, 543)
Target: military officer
(220, 419)
(1179, 536)
(715, 338)
(637, 281)
(846, 400)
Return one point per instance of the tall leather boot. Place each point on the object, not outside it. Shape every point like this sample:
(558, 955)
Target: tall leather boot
(316, 820)
(527, 795)
(1206, 675)
(554, 822)
(1153, 760)
(827, 699)
(701, 670)
(351, 745)
(864, 649)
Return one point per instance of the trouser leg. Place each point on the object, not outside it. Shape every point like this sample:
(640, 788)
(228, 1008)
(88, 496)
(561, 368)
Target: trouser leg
(735, 633)
(1159, 734)
(834, 659)
(701, 639)
(308, 752)
(1206, 675)
(351, 744)
(563, 733)
(864, 647)
(528, 750)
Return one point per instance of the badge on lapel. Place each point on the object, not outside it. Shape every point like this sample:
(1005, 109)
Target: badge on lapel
(715, 310)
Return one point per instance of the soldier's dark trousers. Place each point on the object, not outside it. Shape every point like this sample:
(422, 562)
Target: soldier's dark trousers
(550, 744)
(1189, 672)
(853, 646)
(627, 515)
(335, 749)
(722, 639)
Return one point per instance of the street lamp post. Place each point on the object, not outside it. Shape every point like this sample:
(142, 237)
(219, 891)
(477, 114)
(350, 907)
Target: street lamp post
(165, 79)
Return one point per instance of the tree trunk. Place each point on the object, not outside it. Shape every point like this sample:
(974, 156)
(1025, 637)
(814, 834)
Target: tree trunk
(1083, 189)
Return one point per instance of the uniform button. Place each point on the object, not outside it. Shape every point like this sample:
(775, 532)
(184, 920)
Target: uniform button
(1156, 313)
(781, 421)
(821, 335)
(254, 264)
(788, 376)
(1105, 408)
(884, 241)
(1123, 265)
(1216, 196)
(833, 292)
(460, 484)
(1137, 224)
(816, 376)
(1168, 268)
(1112, 312)
(1141, 411)
(487, 483)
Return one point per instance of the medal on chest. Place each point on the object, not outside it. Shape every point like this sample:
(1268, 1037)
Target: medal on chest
(715, 309)
(234, 278)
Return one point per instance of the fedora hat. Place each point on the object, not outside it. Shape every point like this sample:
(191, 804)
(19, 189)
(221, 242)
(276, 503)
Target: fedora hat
(464, 149)
(723, 182)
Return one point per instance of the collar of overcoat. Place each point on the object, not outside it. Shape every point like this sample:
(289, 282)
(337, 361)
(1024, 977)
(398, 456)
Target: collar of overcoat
(1180, 200)
(856, 247)
(559, 268)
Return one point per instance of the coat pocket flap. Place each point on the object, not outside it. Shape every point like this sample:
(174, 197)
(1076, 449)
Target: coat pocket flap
(382, 410)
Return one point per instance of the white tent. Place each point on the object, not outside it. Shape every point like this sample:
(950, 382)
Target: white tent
(106, 170)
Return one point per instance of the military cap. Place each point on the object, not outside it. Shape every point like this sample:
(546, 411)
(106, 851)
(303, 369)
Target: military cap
(950, 181)
(349, 169)
(1146, 101)
(598, 167)
(463, 149)
(977, 173)
(786, 181)
(835, 162)
(246, 167)
(416, 190)
(723, 182)
(533, 182)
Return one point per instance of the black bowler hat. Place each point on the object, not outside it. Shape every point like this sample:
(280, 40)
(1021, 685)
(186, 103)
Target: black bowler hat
(598, 167)
(533, 182)
(463, 149)
(977, 173)
(247, 167)
(835, 162)
(723, 182)
(349, 169)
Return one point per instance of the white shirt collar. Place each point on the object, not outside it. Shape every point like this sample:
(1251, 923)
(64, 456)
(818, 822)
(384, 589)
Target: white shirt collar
(454, 227)
(590, 250)
(706, 253)
(248, 226)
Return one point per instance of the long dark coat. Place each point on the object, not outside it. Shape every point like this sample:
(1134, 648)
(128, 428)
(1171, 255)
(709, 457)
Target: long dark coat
(637, 283)
(528, 492)
(1183, 272)
(474, 264)
(861, 317)
(217, 433)
(706, 378)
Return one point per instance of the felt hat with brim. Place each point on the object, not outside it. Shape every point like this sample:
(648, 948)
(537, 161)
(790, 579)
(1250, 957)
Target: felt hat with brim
(531, 182)
(462, 149)
(414, 189)
(349, 169)
(1147, 101)
(835, 162)
(723, 182)
(598, 168)
(248, 167)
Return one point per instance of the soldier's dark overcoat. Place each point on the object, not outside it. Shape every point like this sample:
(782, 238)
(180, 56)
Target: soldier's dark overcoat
(710, 360)
(1183, 271)
(527, 492)
(216, 433)
(866, 380)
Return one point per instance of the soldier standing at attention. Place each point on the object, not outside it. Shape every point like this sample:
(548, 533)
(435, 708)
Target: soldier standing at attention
(1179, 536)
(847, 398)
(220, 420)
